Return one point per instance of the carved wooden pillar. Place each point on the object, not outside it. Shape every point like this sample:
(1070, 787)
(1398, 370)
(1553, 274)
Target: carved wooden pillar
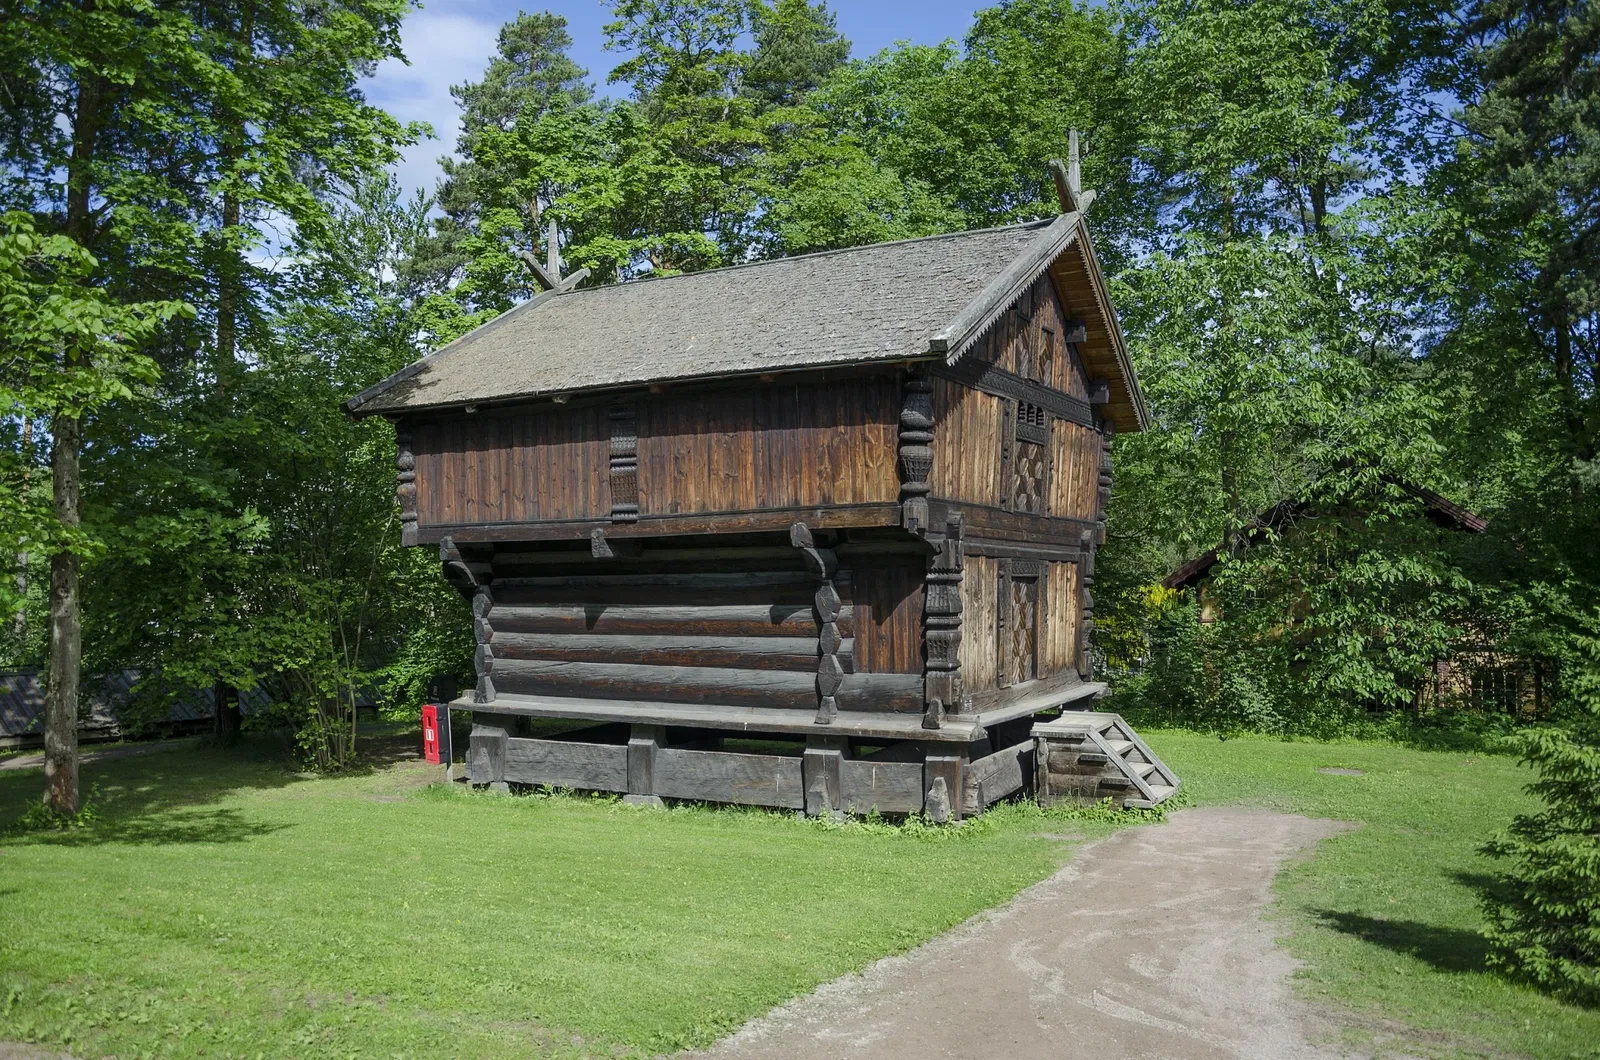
(405, 463)
(916, 452)
(941, 625)
(1108, 433)
(472, 579)
(1090, 541)
(830, 673)
(624, 464)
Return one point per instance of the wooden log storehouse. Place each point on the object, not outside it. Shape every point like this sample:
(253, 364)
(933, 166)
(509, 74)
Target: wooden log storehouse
(816, 532)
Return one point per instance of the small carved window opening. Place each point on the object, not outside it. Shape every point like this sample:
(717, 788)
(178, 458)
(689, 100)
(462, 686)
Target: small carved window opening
(1046, 360)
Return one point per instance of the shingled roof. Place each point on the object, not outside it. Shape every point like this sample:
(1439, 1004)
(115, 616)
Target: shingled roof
(911, 299)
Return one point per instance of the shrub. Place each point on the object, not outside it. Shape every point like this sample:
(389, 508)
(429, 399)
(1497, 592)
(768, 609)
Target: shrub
(1545, 919)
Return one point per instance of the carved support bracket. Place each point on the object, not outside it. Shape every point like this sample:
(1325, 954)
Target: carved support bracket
(830, 672)
(624, 464)
(405, 463)
(941, 621)
(472, 579)
(916, 452)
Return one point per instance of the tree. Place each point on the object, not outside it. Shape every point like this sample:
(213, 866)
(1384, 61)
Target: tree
(156, 138)
(1545, 916)
(71, 350)
(798, 47)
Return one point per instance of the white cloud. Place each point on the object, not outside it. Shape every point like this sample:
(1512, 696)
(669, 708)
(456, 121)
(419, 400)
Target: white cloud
(445, 50)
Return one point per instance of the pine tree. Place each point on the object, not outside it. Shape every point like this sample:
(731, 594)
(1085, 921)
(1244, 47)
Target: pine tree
(798, 44)
(1545, 919)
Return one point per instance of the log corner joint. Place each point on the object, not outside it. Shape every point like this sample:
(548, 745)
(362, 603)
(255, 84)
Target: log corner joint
(916, 452)
(822, 563)
(942, 685)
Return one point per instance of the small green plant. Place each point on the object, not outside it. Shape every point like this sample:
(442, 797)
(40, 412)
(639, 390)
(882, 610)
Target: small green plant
(1545, 920)
(42, 817)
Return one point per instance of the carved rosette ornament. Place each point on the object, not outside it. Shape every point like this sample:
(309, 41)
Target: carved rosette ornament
(405, 463)
(916, 452)
(941, 620)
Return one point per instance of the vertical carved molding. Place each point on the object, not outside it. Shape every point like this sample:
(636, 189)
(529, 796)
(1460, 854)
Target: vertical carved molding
(1108, 433)
(941, 622)
(472, 579)
(916, 452)
(1085, 603)
(405, 463)
(624, 464)
(830, 672)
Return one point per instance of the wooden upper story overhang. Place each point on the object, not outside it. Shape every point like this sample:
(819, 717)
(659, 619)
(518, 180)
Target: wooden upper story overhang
(931, 300)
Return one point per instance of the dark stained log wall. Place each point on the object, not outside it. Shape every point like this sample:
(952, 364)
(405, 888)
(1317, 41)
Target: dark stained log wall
(751, 447)
(966, 443)
(778, 445)
(514, 468)
(1031, 341)
(1075, 474)
(888, 618)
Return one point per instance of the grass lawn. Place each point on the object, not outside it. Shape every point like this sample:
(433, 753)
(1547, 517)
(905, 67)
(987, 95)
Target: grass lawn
(223, 906)
(1386, 916)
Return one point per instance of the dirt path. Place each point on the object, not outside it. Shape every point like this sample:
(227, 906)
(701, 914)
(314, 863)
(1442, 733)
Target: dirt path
(36, 760)
(1150, 944)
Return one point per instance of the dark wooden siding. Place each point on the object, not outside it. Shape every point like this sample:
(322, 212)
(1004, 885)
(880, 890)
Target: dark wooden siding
(754, 447)
(1075, 474)
(888, 618)
(1030, 341)
(778, 445)
(513, 468)
(966, 443)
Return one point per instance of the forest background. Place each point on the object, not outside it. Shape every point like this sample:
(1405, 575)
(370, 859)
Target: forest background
(1353, 243)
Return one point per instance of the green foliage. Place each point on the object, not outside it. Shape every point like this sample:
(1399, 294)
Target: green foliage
(1545, 918)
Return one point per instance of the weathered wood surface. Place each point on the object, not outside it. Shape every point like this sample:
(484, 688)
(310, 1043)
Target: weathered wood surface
(726, 522)
(566, 764)
(813, 442)
(757, 653)
(888, 787)
(721, 621)
(720, 776)
(486, 751)
(995, 776)
(1058, 649)
(1033, 341)
(810, 442)
(887, 614)
(508, 467)
(979, 646)
(1075, 471)
(755, 688)
(769, 720)
(966, 443)
(822, 765)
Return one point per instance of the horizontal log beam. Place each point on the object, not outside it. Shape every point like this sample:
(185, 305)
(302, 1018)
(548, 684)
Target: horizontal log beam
(725, 522)
(866, 725)
(703, 620)
(755, 653)
(992, 379)
(767, 688)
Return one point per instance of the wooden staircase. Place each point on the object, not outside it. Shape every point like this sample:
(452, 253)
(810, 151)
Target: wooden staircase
(1085, 757)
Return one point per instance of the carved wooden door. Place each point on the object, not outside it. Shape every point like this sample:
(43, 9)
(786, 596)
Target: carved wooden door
(1017, 640)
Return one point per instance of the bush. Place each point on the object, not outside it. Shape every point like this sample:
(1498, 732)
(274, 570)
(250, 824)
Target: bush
(1545, 919)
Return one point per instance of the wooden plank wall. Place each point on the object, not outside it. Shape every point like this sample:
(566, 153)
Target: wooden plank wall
(1058, 643)
(1075, 474)
(888, 618)
(966, 443)
(772, 446)
(979, 653)
(513, 468)
(1031, 330)
(756, 446)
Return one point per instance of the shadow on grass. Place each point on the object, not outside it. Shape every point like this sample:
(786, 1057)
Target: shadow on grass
(157, 798)
(1447, 949)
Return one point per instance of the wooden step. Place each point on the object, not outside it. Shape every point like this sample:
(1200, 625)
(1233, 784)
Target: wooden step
(1121, 747)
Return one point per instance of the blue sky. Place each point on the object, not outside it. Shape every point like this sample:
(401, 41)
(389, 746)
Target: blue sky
(450, 42)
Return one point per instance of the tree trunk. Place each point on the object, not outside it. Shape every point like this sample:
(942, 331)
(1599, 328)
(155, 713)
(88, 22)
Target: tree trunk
(19, 622)
(228, 718)
(66, 622)
(66, 631)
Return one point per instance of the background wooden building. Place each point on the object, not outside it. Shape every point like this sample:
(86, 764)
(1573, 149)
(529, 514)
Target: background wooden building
(816, 532)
